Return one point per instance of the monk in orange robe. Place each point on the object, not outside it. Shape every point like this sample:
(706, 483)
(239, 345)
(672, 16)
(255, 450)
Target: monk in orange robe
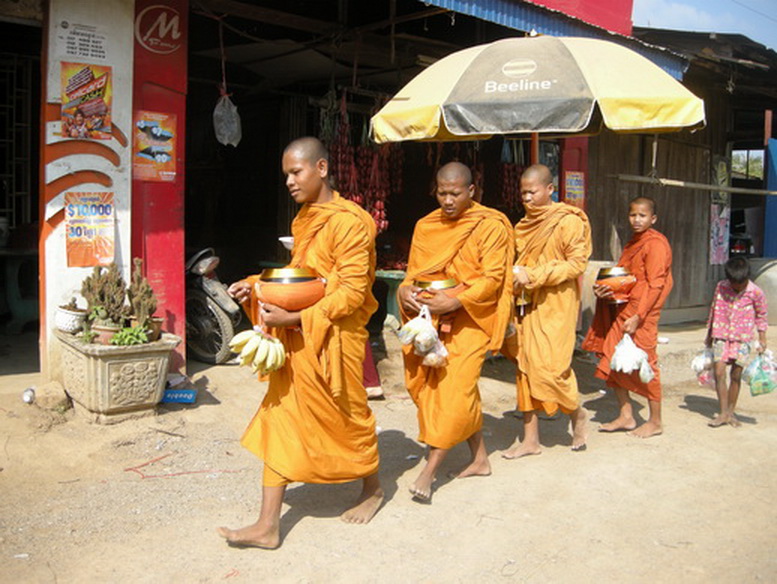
(553, 243)
(649, 258)
(470, 243)
(314, 424)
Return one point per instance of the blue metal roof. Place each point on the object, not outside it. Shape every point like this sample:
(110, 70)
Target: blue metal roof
(523, 16)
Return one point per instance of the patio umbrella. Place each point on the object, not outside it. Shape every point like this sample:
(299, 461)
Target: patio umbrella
(549, 85)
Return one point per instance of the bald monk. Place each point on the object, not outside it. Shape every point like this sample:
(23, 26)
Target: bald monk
(553, 243)
(465, 241)
(314, 425)
(649, 258)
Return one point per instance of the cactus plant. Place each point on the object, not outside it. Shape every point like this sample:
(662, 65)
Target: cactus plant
(140, 294)
(104, 291)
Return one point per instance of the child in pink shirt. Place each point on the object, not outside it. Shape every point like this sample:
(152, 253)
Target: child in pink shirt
(738, 307)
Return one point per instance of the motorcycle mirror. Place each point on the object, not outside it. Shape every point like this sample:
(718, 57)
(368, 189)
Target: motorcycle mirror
(206, 266)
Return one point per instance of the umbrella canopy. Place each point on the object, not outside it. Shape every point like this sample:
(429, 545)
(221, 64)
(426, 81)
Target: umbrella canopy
(537, 85)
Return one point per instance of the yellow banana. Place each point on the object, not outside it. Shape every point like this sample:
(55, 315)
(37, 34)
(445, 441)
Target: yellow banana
(239, 340)
(247, 353)
(282, 355)
(261, 354)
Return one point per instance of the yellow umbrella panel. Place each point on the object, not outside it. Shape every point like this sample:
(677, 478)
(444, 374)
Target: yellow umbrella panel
(537, 85)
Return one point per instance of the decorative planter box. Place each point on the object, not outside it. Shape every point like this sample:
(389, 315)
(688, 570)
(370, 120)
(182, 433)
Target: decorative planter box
(110, 380)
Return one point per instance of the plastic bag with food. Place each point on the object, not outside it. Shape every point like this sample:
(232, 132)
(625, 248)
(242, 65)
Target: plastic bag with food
(761, 374)
(419, 331)
(703, 360)
(437, 357)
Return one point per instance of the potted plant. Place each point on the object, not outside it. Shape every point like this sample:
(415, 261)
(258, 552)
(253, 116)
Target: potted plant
(69, 318)
(143, 303)
(104, 291)
(127, 377)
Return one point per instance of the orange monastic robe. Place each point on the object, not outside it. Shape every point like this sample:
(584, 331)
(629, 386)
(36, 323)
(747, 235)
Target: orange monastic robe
(553, 243)
(649, 258)
(314, 424)
(475, 249)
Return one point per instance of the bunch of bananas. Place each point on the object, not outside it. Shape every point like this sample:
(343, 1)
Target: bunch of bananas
(261, 351)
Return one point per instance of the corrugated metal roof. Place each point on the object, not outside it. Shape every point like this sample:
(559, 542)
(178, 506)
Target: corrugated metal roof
(526, 17)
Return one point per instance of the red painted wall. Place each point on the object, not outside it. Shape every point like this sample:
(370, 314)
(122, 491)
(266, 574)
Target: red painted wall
(160, 74)
(613, 15)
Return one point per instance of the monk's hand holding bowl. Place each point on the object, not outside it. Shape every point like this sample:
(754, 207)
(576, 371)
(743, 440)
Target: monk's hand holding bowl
(602, 291)
(439, 302)
(240, 290)
(276, 316)
(408, 298)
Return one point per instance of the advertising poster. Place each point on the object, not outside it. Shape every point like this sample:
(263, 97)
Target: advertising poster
(86, 101)
(90, 227)
(720, 216)
(153, 146)
(574, 184)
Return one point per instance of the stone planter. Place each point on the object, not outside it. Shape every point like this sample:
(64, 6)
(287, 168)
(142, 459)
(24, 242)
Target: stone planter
(115, 382)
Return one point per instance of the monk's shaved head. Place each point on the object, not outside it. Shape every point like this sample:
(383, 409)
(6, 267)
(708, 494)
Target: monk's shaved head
(308, 148)
(455, 171)
(651, 204)
(538, 172)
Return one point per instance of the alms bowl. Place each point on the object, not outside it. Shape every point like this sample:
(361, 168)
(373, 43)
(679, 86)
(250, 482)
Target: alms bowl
(619, 280)
(290, 288)
(450, 286)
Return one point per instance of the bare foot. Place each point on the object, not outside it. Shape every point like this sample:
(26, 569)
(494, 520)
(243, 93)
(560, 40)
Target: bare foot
(619, 424)
(366, 506)
(476, 468)
(647, 430)
(734, 421)
(256, 535)
(579, 421)
(421, 489)
(719, 420)
(520, 449)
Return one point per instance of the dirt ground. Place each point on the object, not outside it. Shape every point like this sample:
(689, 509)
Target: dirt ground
(139, 501)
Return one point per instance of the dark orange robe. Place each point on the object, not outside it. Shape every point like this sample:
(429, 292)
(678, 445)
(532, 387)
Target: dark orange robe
(475, 249)
(314, 424)
(553, 244)
(649, 258)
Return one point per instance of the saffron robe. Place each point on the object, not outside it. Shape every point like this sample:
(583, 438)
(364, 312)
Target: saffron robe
(553, 244)
(649, 258)
(314, 424)
(475, 249)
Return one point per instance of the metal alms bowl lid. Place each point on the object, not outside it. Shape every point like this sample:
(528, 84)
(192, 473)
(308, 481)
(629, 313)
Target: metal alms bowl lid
(612, 272)
(436, 284)
(287, 275)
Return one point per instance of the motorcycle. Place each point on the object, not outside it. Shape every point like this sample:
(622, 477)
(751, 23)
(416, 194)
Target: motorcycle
(211, 314)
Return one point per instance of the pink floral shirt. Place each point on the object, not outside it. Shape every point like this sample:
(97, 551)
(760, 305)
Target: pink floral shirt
(734, 315)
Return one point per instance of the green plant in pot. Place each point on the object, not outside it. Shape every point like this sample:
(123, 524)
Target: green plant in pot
(143, 302)
(104, 291)
(131, 335)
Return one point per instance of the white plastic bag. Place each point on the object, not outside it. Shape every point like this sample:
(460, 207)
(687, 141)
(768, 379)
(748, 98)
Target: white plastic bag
(703, 360)
(421, 326)
(226, 122)
(437, 357)
(629, 357)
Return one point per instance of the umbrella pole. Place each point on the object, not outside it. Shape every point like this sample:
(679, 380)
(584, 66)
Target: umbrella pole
(534, 149)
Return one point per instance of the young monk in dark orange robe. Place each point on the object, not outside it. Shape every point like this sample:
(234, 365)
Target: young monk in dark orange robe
(470, 243)
(649, 258)
(314, 424)
(553, 243)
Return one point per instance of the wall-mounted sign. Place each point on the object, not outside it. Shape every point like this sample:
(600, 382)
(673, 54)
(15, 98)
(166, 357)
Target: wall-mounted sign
(86, 101)
(90, 227)
(574, 185)
(154, 146)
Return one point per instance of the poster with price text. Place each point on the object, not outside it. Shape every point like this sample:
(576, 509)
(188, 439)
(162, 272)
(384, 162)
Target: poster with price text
(87, 93)
(153, 146)
(90, 228)
(574, 183)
